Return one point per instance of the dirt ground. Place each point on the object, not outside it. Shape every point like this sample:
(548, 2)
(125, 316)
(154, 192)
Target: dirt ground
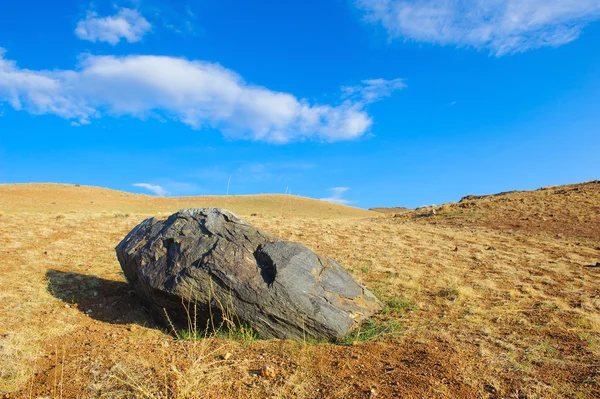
(490, 297)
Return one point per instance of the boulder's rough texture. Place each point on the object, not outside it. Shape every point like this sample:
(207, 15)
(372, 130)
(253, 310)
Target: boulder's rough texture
(228, 270)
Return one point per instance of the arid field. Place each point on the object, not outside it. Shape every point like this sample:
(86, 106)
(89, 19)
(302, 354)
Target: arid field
(490, 297)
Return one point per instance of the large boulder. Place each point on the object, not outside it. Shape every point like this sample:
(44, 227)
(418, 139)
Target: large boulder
(206, 266)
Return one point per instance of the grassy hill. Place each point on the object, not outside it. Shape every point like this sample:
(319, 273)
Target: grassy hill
(571, 210)
(75, 198)
(490, 297)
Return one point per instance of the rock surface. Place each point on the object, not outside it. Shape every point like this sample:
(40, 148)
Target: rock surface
(223, 269)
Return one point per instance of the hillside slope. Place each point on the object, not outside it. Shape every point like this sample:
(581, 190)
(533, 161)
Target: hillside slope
(485, 299)
(565, 211)
(74, 198)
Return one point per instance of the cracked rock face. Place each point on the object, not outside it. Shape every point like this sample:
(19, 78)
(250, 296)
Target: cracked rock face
(210, 266)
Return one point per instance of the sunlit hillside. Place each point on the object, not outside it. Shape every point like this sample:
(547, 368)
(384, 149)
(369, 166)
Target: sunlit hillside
(493, 297)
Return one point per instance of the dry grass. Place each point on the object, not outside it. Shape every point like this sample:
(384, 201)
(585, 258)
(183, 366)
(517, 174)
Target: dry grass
(67, 198)
(485, 309)
(565, 211)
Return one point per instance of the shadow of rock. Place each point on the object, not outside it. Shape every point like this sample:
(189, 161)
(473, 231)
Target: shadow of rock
(108, 301)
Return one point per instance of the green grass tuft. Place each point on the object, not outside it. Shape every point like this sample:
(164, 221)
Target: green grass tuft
(373, 329)
(398, 305)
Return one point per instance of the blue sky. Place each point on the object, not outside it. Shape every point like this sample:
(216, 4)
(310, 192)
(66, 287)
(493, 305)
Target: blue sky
(366, 102)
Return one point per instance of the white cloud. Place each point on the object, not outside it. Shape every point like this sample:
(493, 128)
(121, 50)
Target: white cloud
(199, 94)
(372, 90)
(40, 92)
(336, 196)
(502, 26)
(127, 24)
(158, 190)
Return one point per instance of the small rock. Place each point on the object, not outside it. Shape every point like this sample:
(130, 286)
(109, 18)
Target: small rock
(131, 328)
(268, 372)
(227, 356)
(372, 393)
(455, 249)
(491, 248)
(489, 388)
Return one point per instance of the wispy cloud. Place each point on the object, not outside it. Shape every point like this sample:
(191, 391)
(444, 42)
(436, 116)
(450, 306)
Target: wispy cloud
(127, 24)
(197, 93)
(502, 26)
(372, 90)
(336, 196)
(175, 16)
(158, 190)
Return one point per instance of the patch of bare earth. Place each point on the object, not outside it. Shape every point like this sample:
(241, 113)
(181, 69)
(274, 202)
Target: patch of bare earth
(481, 303)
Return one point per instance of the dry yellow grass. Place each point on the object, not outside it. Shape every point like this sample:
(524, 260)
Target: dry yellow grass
(486, 310)
(68, 198)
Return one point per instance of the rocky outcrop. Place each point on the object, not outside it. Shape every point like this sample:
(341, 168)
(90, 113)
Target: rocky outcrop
(210, 266)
